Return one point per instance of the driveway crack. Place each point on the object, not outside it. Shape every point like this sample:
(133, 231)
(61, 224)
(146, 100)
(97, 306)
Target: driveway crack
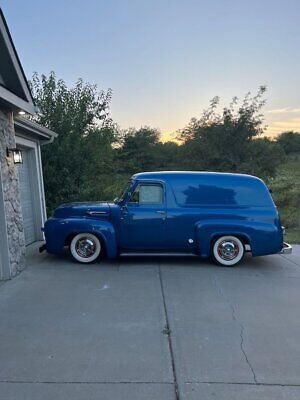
(243, 383)
(167, 331)
(291, 261)
(54, 382)
(235, 319)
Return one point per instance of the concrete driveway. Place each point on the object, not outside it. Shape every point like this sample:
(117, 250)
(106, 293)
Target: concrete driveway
(157, 328)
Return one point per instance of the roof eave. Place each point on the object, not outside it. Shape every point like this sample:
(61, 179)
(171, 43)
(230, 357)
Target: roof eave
(31, 128)
(29, 102)
(15, 103)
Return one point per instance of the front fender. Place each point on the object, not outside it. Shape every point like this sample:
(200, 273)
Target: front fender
(264, 238)
(57, 231)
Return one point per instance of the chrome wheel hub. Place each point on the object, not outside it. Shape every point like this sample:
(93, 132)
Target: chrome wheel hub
(85, 247)
(228, 250)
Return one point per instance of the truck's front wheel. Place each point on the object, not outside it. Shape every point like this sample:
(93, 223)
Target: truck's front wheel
(85, 247)
(228, 251)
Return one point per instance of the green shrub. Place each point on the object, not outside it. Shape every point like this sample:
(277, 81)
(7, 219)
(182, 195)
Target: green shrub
(286, 191)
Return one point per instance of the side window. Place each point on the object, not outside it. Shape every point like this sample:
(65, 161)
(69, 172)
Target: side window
(147, 194)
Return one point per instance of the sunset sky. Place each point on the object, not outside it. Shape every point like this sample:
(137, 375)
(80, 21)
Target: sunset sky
(165, 59)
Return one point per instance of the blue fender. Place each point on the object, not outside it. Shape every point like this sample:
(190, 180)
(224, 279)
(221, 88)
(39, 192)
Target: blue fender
(57, 232)
(264, 238)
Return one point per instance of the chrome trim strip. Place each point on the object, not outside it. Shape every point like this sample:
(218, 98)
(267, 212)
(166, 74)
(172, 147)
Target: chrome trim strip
(164, 254)
(97, 212)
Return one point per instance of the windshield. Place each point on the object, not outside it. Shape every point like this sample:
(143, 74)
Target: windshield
(123, 193)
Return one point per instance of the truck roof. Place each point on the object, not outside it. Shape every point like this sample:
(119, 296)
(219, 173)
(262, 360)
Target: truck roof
(191, 174)
(194, 188)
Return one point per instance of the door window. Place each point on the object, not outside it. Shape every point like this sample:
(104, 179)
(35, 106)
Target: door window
(147, 194)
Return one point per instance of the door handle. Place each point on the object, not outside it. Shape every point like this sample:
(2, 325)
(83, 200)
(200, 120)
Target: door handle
(161, 212)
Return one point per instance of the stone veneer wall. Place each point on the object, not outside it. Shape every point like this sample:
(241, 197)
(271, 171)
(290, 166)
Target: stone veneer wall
(10, 188)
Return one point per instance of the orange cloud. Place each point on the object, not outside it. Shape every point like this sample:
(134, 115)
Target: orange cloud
(277, 127)
(284, 110)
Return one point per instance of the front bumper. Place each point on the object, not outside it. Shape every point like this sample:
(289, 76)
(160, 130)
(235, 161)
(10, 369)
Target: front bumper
(286, 249)
(42, 248)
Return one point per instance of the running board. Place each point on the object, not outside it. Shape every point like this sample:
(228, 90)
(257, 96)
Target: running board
(162, 254)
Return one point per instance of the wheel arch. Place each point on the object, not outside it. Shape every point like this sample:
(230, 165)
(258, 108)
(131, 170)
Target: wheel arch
(244, 238)
(208, 232)
(59, 232)
(103, 229)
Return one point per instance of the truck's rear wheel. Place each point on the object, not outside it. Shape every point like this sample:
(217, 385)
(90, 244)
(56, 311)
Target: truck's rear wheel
(85, 248)
(227, 251)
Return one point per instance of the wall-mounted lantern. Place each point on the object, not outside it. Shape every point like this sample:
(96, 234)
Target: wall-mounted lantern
(17, 155)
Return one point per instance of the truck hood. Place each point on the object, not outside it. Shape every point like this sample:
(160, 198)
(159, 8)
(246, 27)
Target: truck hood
(88, 209)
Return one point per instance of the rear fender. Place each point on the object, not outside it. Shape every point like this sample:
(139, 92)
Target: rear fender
(263, 238)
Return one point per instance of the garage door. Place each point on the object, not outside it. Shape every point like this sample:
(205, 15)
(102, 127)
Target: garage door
(26, 194)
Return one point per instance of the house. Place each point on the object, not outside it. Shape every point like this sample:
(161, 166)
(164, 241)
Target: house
(22, 200)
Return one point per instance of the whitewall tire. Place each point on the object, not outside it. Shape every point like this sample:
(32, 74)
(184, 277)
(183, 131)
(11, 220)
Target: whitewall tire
(85, 248)
(228, 251)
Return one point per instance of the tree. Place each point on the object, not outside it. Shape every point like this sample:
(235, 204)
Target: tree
(80, 116)
(263, 158)
(138, 150)
(289, 141)
(226, 141)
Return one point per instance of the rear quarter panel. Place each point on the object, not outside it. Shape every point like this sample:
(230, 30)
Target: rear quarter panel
(208, 206)
(264, 237)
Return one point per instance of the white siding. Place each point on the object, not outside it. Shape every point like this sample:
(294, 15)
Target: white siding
(26, 194)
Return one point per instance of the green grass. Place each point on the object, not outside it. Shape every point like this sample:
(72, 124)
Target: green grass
(292, 236)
